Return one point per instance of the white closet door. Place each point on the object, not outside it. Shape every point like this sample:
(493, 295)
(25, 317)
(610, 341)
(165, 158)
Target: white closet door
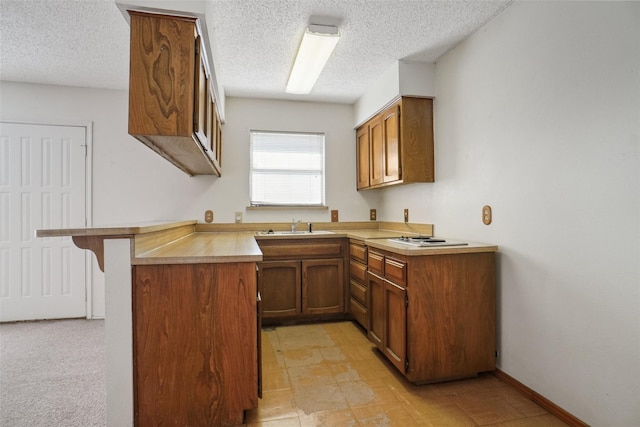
(42, 185)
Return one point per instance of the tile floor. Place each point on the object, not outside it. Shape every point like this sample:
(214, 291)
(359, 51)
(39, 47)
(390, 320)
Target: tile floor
(330, 375)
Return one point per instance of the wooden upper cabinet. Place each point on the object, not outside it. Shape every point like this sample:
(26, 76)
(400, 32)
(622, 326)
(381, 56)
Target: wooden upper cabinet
(391, 143)
(362, 154)
(201, 96)
(170, 91)
(400, 144)
(376, 152)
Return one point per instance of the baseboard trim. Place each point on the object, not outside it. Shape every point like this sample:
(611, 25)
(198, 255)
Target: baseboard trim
(545, 403)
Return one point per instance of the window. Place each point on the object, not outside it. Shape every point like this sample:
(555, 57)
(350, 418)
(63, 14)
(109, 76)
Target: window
(286, 169)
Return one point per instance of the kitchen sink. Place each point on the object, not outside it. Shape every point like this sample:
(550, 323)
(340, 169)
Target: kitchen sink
(292, 233)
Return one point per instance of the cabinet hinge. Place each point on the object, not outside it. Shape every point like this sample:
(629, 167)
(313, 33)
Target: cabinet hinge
(406, 365)
(260, 386)
(398, 111)
(406, 300)
(197, 46)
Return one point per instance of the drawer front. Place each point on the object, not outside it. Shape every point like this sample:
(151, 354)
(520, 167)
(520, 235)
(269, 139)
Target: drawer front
(396, 271)
(359, 313)
(358, 251)
(358, 271)
(375, 263)
(300, 250)
(358, 292)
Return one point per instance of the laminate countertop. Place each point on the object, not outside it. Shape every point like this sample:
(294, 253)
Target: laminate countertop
(205, 247)
(208, 247)
(117, 230)
(180, 242)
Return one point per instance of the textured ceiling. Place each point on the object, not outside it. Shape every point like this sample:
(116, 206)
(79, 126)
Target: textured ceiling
(85, 42)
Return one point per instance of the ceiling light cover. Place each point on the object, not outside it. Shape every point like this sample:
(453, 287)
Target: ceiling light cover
(318, 43)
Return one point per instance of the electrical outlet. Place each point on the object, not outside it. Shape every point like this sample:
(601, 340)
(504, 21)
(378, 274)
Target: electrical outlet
(208, 216)
(372, 214)
(406, 215)
(238, 217)
(334, 216)
(487, 215)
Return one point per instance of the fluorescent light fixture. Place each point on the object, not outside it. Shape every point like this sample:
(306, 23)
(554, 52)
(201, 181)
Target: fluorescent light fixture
(317, 45)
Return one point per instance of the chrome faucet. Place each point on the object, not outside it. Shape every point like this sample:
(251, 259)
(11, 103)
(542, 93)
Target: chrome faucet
(294, 224)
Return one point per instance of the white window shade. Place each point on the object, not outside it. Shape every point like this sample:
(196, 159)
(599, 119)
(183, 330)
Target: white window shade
(286, 169)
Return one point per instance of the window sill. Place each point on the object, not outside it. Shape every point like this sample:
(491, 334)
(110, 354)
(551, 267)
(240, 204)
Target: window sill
(285, 207)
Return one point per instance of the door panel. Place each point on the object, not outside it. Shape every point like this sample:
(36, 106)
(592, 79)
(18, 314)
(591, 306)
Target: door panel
(391, 138)
(279, 284)
(376, 309)
(377, 152)
(395, 342)
(42, 185)
(323, 286)
(362, 149)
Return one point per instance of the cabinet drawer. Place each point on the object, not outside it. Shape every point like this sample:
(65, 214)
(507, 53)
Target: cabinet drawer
(358, 271)
(281, 249)
(358, 251)
(375, 263)
(358, 292)
(359, 313)
(396, 271)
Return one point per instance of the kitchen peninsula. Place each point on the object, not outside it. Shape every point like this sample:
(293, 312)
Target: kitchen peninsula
(182, 304)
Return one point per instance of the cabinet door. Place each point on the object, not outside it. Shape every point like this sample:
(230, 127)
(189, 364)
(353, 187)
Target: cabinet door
(323, 286)
(200, 98)
(391, 143)
(395, 319)
(376, 309)
(279, 284)
(162, 49)
(218, 139)
(211, 125)
(190, 324)
(376, 152)
(362, 153)
(213, 132)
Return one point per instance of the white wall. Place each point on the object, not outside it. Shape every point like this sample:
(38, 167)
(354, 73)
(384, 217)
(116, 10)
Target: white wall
(538, 115)
(133, 184)
(402, 78)
(336, 120)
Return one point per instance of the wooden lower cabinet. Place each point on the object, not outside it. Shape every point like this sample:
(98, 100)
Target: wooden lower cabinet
(292, 288)
(280, 288)
(395, 342)
(302, 279)
(358, 288)
(377, 312)
(388, 322)
(323, 286)
(441, 324)
(195, 345)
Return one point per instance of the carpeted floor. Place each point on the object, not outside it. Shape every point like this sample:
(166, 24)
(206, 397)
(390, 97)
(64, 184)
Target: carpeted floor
(52, 373)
